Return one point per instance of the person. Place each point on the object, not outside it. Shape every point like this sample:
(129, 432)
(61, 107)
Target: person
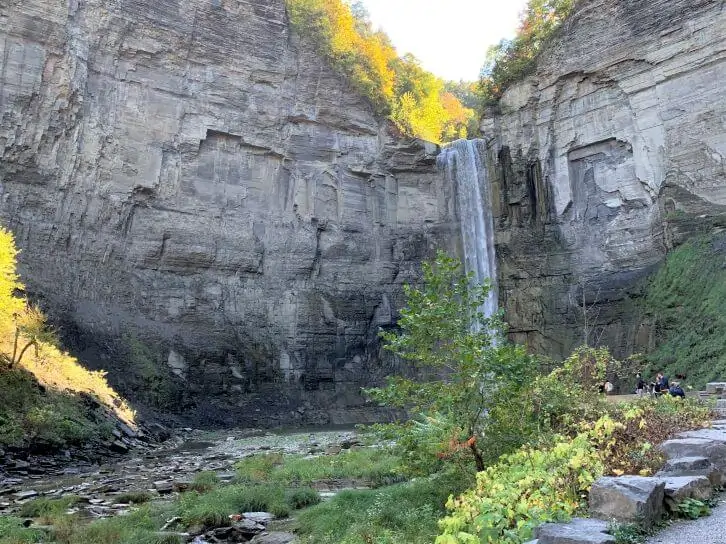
(661, 384)
(640, 385)
(676, 390)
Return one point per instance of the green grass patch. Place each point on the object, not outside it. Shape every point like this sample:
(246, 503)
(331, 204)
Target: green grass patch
(139, 527)
(375, 466)
(13, 532)
(133, 497)
(685, 300)
(406, 512)
(40, 418)
(205, 481)
(214, 508)
(45, 507)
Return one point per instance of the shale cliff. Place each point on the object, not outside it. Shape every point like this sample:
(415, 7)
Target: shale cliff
(612, 153)
(210, 211)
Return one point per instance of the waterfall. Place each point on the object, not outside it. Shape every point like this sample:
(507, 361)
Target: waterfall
(463, 165)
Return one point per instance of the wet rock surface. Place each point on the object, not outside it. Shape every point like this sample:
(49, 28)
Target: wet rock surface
(164, 470)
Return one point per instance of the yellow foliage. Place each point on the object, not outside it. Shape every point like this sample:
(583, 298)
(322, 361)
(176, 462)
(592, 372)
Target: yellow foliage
(52, 367)
(413, 98)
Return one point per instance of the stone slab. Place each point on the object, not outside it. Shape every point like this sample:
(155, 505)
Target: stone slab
(577, 531)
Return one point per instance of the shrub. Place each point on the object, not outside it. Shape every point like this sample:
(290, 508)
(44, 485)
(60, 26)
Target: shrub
(205, 481)
(467, 364)
(301, 497)
(523, 490)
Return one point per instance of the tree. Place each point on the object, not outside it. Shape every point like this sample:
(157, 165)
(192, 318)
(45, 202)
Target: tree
(25, 323)
(466, 369)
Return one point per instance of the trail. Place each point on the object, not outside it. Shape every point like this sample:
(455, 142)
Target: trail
(707, 530)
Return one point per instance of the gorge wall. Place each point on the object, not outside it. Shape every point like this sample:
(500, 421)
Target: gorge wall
(214, 216)
(609, 155)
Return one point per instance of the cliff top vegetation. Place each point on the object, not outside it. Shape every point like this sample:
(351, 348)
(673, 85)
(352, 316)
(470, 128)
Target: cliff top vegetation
(415, 100)
(512, 60)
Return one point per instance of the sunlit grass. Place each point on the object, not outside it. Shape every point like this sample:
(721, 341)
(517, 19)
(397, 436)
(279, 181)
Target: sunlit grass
(373, 466)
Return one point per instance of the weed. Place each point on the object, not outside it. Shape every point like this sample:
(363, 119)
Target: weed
(692, 508)
(133, 497)
(205, 482)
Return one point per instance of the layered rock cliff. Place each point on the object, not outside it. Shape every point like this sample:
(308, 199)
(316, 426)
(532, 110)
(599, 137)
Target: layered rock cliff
(614, 151)
(214, 215)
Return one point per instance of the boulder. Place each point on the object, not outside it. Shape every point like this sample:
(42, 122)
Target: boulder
(713, 450)
(628, 499)
(259, 517)
(717, 435)
(678, 488)
(693, 466)
(577, 531)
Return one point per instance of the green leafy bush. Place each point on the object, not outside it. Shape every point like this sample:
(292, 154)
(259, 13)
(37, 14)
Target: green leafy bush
(523, 490)
(467, 364)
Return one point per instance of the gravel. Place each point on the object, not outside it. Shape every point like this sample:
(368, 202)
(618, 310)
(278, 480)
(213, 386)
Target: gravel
(708, 530)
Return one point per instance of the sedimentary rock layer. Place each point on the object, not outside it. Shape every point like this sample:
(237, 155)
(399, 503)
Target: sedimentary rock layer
(611, 153)
(194, 190)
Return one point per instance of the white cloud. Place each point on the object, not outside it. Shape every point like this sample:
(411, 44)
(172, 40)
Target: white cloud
(450, 37)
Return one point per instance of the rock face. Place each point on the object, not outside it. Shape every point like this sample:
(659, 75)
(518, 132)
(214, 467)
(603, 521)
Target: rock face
(211, 210)
(614, 151)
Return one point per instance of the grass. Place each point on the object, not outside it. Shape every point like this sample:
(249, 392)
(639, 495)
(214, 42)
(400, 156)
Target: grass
(205, 481)
(214, 508)
(47, 508)
(13, 532)
(133, 497)
(685, 301)
(374, 466)
(34, 416)
(406, 512)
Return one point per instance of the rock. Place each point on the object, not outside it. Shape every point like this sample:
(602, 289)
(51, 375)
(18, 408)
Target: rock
(577, 531)
(716, 388)
(333, 450)
(717, 435)
(164, 486)
(273, 538)
(259, 517)
(127, 430)
(714, 451)
(19, 463)
(24, 495)
(181, 485)
(118, 446)
(577, 155)
(693, 466)
(326, 211)
(678, 488)
(226, 476)
(628, 499)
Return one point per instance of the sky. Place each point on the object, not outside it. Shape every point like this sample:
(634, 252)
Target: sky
(449, 37)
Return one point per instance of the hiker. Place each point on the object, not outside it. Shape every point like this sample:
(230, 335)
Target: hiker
(676, 390)
(640, 385)
(661, 384)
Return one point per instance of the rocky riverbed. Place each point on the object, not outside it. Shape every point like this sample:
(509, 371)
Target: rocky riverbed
(161, 472)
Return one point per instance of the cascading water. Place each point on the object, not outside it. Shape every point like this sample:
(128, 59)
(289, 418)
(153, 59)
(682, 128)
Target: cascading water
(463, 164)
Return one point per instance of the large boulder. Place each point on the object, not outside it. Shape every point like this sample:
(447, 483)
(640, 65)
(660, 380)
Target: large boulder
(713, 450)
(628, 499)
(577, 531)
(678, 488)
(693, 466)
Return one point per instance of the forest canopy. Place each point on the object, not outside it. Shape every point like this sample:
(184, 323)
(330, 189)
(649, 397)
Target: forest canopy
(415, 100)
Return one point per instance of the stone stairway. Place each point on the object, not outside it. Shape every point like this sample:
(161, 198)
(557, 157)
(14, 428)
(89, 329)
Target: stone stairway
(696, 464)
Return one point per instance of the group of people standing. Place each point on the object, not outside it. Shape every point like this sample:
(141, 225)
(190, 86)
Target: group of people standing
(660, 386)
